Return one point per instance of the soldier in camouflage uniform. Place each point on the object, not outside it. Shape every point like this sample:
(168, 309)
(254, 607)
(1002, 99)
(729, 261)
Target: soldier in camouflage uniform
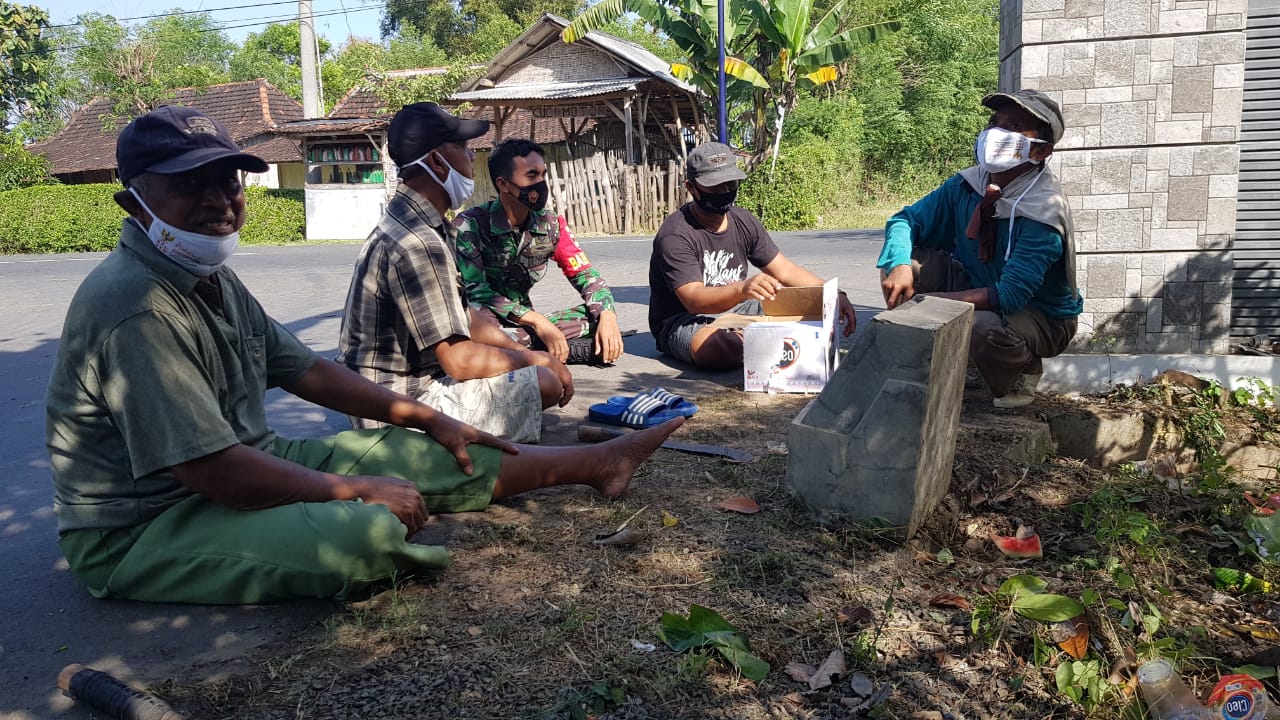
(504, 247)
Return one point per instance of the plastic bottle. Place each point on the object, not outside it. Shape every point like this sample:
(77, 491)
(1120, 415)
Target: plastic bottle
(1168, 698)
(1240, 697)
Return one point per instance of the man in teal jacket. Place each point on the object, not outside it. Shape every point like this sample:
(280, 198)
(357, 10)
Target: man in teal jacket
(997, 235)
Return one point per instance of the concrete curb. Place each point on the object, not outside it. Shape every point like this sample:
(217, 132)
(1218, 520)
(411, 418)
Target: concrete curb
(1098, 373)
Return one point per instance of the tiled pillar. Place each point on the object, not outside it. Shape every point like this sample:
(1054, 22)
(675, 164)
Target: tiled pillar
(1151, 94)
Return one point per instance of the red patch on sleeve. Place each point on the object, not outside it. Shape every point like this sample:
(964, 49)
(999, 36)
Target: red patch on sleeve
(569, 255)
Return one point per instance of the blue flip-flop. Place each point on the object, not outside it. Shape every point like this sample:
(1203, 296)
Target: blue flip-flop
(669, 400)
(642, 411)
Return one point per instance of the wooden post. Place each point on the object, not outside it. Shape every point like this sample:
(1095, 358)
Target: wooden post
(626, 120)
(644, 120)
(533, 125)
(675, 110)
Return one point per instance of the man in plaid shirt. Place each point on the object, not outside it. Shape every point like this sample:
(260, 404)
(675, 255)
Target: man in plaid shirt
(504, 247)
(406, 324)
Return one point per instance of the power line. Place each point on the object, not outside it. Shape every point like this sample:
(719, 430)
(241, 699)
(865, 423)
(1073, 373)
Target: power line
(183, 12)
(266, 20)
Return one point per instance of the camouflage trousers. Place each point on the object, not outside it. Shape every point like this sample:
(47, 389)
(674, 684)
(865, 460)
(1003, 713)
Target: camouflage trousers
(574, 322)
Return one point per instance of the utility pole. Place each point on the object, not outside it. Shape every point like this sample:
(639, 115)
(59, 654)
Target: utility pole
(307, 57)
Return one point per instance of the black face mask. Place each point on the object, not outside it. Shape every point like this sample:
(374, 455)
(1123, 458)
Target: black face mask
(716, 203)
(534, 196)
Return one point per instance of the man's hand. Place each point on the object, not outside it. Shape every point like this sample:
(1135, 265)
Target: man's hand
(455, 436)
(562, 372)
(847, 315)
(761, 286)
(608, 337)
(898, 286)
(400, 496)
(557, 345)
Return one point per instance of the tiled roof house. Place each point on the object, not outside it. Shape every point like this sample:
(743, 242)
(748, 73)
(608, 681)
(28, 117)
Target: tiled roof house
(85, 149)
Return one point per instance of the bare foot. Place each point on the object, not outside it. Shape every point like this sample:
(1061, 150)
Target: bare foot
(624, 454)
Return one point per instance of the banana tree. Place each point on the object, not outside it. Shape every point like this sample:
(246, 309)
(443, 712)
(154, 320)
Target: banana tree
(797, 51)
(691, 25)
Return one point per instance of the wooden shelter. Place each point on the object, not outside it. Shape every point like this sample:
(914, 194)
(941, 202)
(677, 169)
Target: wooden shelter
(627, 123)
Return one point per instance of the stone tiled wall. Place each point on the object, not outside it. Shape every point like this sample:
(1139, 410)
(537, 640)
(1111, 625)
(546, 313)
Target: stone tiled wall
(1151, 92)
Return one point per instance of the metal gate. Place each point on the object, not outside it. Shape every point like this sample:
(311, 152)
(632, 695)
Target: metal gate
(1255, 303)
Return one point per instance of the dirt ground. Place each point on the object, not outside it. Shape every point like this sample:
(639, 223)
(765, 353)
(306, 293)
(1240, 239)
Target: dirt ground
(533, 620)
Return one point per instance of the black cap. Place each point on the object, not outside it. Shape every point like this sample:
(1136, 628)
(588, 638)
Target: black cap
(1034, 102)
(712, 163)
(422, 127)
(174, 139)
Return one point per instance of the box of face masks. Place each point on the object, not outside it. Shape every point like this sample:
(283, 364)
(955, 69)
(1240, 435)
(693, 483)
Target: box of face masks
(792, 346)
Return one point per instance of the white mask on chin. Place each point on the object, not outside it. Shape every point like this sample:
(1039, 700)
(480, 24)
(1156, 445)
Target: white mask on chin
(998, 149)
(456, 184)
(196, 253)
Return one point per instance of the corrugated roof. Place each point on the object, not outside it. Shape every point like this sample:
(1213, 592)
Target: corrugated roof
(548, 91)
(247, 109)
(544, 33)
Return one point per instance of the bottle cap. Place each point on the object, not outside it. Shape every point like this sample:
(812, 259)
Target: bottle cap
(1155, 672)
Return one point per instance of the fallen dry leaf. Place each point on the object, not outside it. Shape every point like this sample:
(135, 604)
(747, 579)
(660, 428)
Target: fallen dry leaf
(926, 715)
(669, 520)
(861, 685)
(857, 614)
(794, 698)
(1073, 636)
(800, 672)
(832, 667)
(950, 600)
(625, 536)
(474, 631)
(744, 505)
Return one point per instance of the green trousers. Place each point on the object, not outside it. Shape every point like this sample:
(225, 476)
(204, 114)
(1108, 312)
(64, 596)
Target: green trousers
(200, 552)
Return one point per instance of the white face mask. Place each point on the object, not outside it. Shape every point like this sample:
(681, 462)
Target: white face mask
(456, 184)
(198, 254)
(998, 149)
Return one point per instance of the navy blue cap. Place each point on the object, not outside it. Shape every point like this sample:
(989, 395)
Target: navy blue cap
(174, 139)
(422, 127)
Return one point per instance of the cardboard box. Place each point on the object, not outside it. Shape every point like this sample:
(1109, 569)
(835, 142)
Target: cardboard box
(792, 346)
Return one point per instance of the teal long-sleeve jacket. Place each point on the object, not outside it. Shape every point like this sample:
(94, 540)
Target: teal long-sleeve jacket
(1034, 275)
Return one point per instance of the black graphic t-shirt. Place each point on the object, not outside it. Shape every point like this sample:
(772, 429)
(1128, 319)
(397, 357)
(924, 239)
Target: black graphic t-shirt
(685, 252)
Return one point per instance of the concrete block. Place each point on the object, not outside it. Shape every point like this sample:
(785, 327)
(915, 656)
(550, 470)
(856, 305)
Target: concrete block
(1106, 277)
(1192, 89)
(1119, 230)
(1105, 437)
(1125, 123)
(1182, 303)
(1188, 198)
(1125, 17)
(880, 439)
(1213, 267)
(1215, 160)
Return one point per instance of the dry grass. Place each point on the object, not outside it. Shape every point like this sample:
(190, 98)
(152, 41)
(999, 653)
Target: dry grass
(534, 621)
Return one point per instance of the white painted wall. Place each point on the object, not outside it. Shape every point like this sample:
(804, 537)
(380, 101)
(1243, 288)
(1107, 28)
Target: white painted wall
(269, 179)
(343, 213)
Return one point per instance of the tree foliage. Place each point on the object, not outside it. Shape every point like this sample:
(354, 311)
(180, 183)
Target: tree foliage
(19, 168)
(25, 56)
(469, 29)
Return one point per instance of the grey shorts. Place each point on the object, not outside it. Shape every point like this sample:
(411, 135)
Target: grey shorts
(678, 330)
(508, 406)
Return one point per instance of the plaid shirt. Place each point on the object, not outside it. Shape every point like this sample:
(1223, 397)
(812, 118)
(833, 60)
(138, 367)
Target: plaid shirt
(405, 297)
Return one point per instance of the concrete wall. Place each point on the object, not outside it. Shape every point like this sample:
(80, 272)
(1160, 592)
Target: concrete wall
(1151, 93)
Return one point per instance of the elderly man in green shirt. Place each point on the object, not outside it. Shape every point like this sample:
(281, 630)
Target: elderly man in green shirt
(168, 483)
(504, 248)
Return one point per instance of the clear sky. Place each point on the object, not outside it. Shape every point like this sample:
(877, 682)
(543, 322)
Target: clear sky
(335, 19)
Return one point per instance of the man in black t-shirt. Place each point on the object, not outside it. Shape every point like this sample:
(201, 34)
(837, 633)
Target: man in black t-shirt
(699, 266)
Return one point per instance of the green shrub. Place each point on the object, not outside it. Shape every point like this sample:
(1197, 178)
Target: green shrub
(83, 218)
(274, 217)
(19, 168)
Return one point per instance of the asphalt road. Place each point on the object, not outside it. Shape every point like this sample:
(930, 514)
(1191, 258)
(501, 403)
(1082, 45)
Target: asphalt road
(48, 620)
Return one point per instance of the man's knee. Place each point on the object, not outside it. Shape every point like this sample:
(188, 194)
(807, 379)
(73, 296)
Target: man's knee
(717, 349)
(550, 387)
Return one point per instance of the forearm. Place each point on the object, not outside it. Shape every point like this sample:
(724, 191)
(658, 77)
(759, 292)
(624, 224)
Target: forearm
(713, 300)
(489, 332)
(338, 388)
(469, 360)
(245, 478)
(897, 243)
(980, 298)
